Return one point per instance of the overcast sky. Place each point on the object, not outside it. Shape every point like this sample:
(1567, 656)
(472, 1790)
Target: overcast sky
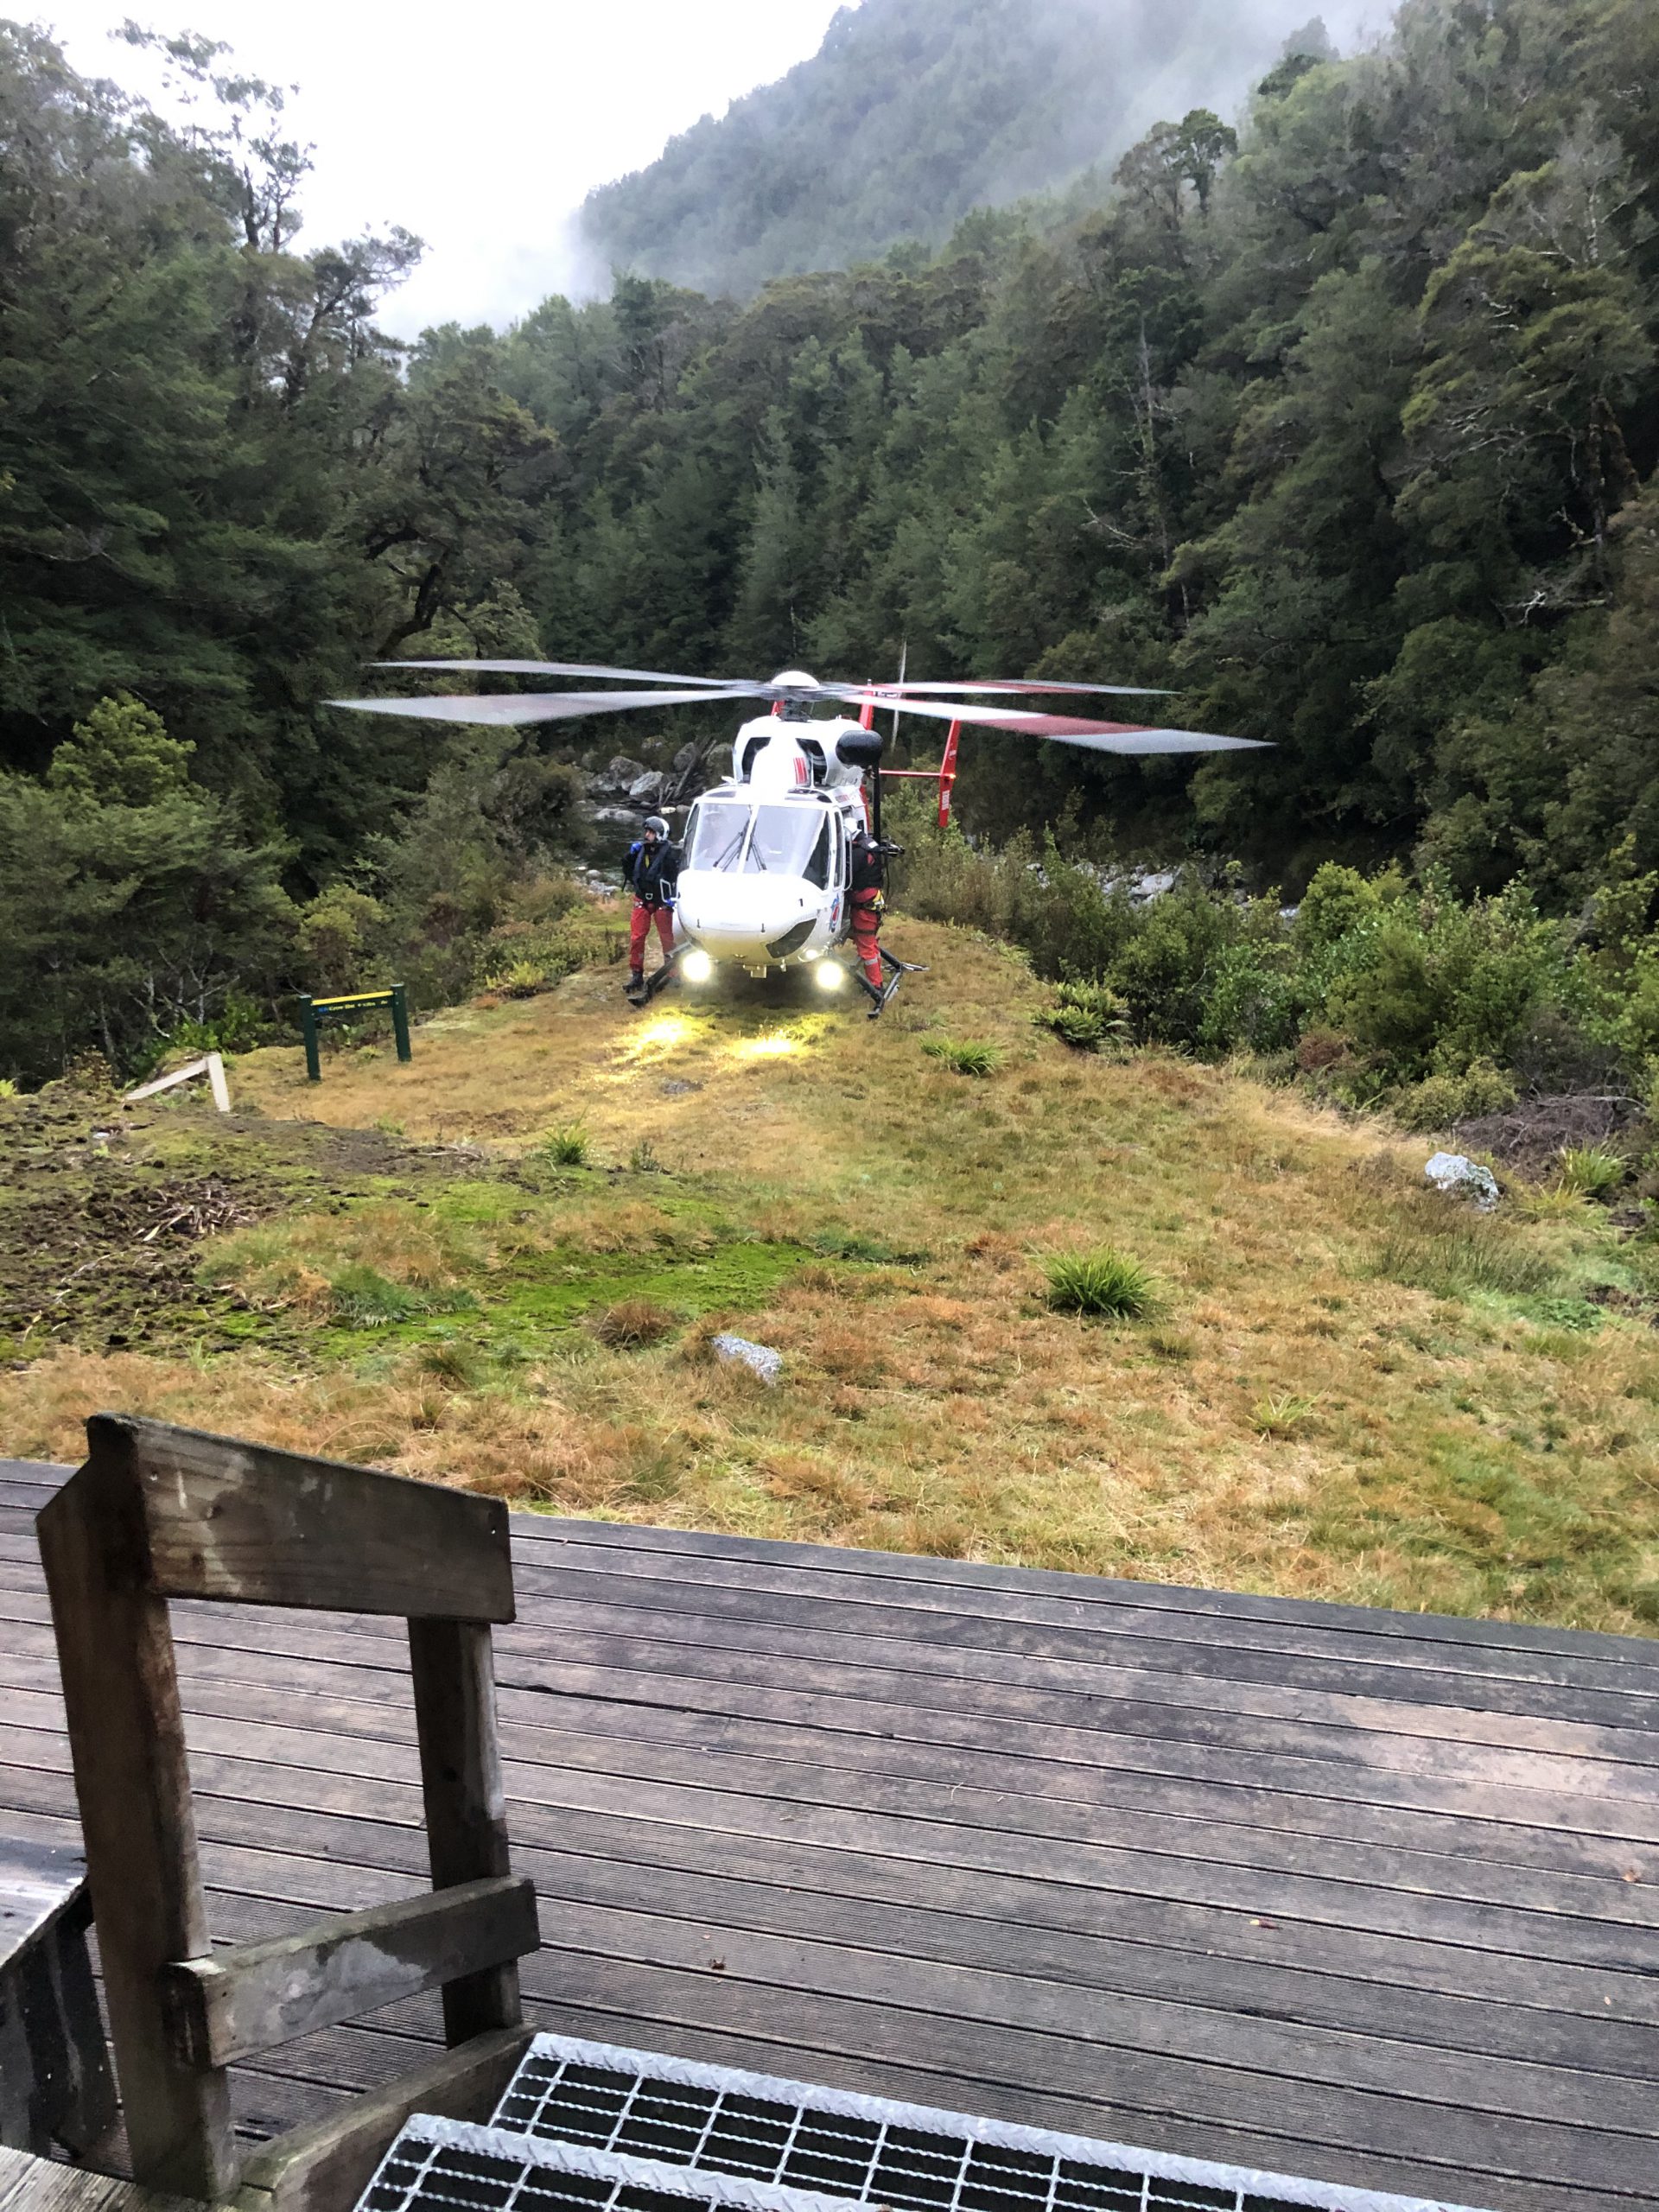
(481, 127)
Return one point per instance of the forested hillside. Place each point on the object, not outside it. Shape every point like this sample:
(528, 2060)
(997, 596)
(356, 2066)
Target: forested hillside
(912, 113)
(1349, 436)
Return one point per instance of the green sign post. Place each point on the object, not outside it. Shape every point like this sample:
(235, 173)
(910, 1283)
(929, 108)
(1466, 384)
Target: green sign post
(313, 1013)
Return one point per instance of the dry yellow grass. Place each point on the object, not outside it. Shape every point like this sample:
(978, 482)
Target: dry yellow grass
(1302, 1414)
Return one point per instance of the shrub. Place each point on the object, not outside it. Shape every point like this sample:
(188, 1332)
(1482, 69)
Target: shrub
(1590, 1171)
(1085, 1015)
(966, 1059)
(565, 1147)
(1103, 1282)
(1440, 1100)
(633, 1323)
(521, 981)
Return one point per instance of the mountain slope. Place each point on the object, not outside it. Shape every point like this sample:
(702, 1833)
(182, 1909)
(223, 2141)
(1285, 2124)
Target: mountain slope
(913, 112)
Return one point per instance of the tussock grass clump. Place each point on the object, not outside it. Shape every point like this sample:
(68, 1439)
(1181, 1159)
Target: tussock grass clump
(360, 1297)
(1105, 1283)
(460, 1365)
(634, 1323)
(1589, 1170)
(567, 1146)
(966, 1058)
(1281, 1414)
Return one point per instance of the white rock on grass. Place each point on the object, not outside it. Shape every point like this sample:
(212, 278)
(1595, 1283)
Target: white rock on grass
(1462, 1178)
(760, 1359)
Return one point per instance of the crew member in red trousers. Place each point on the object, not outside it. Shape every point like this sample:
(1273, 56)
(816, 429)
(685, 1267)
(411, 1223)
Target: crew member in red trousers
(652, 869)
(868, 876)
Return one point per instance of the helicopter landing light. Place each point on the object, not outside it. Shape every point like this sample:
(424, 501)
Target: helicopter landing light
(696, 966)
(829, 975)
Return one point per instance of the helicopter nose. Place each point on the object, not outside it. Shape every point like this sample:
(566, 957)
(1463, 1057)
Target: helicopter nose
(739, 913)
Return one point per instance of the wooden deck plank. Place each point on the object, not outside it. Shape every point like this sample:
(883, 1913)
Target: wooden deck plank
(1344, 1894)
(934, 1636)
(1172, 1598)
(1077, 1658)
(267, 1853)
(1459, 1853)
(1605, 1925)
(1579, 1761)
(1150, 1939)
(826, 1717)
(1617, 1889)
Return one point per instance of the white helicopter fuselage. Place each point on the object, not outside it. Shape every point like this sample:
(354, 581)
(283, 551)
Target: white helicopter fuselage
(765, 879)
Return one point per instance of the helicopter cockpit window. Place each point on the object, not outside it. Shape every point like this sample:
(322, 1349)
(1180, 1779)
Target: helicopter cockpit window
(784, 840)
(714, 836)
(818, 868)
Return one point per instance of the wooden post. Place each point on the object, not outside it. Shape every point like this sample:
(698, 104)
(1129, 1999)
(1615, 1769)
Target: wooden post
(400, 1021)
(132, 1781)
(309, 1024)
(465, 1798)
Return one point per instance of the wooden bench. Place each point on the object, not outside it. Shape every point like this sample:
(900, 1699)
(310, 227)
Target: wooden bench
(55, 2089)
(158, 1513)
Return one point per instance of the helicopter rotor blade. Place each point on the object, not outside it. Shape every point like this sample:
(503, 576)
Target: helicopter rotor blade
(1095, 737)
(530, 706)
(739, 684)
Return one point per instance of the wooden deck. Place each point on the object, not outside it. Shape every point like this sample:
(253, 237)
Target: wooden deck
(1363, 1897)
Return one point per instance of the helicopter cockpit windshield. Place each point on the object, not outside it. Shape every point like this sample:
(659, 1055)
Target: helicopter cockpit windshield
(734, 839)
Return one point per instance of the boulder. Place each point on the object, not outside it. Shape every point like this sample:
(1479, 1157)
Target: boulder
(1462, 1178)
(619, 774)
(646, 789)
(760, 1359)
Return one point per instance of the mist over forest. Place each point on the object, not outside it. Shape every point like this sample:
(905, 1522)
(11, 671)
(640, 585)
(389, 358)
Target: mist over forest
(1340, 421)
(912, 114)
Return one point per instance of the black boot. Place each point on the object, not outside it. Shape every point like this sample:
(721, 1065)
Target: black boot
(635, 989)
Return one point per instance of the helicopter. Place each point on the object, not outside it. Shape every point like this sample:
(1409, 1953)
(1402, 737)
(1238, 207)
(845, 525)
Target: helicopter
(764, 882)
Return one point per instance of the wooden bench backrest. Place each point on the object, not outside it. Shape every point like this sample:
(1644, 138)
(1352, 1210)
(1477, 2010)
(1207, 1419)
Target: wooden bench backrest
(157, 1513)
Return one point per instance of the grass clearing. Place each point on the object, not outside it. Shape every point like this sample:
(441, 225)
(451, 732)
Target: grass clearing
(813, 1181)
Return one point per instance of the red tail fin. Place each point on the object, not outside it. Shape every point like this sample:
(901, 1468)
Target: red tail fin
(948, 773)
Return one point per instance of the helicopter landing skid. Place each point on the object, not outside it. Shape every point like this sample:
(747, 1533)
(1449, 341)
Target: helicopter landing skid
(658, 979)
(897, 971)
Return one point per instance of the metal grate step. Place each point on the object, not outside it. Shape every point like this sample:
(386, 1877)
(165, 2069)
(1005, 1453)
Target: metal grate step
(728, 2126)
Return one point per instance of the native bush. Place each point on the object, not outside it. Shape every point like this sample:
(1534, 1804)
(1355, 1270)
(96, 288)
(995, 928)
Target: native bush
(1375, 989)
(1085, 1015)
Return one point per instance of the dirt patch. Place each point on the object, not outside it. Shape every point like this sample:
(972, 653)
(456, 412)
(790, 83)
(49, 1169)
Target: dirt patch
(1528, 1138)
(104, 1213)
